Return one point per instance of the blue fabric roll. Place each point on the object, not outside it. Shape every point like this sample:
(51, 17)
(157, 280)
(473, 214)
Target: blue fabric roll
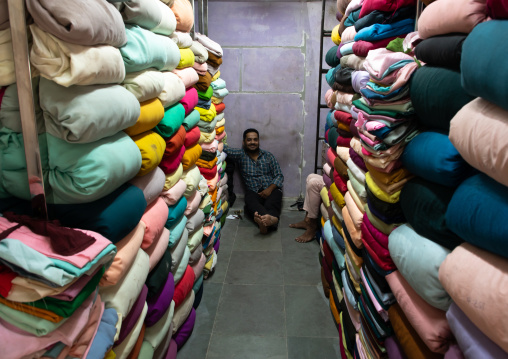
(433, 157)
(478, 212)
(104, 338)
(382, 31)
(483, 63)
(176, 212)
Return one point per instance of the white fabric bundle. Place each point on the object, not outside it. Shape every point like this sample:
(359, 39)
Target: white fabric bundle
(145, 85)
(173, 91)
(182, 39)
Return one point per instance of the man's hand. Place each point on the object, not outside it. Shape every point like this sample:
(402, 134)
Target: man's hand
(267, 191)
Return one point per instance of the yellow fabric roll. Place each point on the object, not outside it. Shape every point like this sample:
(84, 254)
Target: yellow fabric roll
(379, 193)
(338, 289)
(206, 164)
(219, 130)
(111, 355)
(335, 35)
(336, 223)
(207, 115)
(187, 58)
(152, 147)
(172, 178)
(358, 261)
(220, 123)
(151, 114)
(337, 196)
(216, 76)
(343, 126)
(335, 311)
(323, 221)
(190, 156)
(204, 202)
(207, 137)
(324, 196)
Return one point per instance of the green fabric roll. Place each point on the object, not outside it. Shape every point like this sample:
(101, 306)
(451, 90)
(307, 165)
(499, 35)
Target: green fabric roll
(159, 274)
(396, 45)
(174, 117)
(437, 95)
(191, 120)
(424, 205)
(176, 212)
(333, 135)
(207, 95)
(67, 308)
(361, 106)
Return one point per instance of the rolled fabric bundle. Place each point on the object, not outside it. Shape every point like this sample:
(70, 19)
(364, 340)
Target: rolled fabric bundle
(172, 179)
(188, 75)
(93, 22)
(207, 94)
(485, 202)
(201, 69)
(471, 292)
(186, 58)
(383, 17)
(429, 322)
(335, 35)
(182, 39)
(195, 221)
(207, 115)
(173, 91)
(444, 96)
(68, 114)
(204, 82)
(151, 184)
(184, 286)
(192, 206)
(7, 73)
(209, 44)
(191, 177)
(425, 206)
(359, 80)
(331, 57)
(154, 335)
(130, 343)
(418, 260)
(476, 122)
(185, 330)
(445, 167)
(176, 212)
(172, 195)
(190, 156)
(477, 43)
(219, 108)
(171, 162)
(446, 17)
(192, 137)
(144, 50)
(74, 173)
(343, 76)
(214, 60)
(495, 9)
(151, 114)
(154, 218)
(149, 14)
(382, 31)
(152, 147)
(362, 48)
(441, 51)
(9, 107)
(172, 121)
(353, 61)
(183, 311)
(200, 52)
(175, 142)
(127, 250)
(71, 64)
(191, 120)
(372, 5)
(471, 340)
(145, 85)
(159, 304)
(184, 15)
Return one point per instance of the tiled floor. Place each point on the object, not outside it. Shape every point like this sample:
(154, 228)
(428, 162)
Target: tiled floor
(265, 299)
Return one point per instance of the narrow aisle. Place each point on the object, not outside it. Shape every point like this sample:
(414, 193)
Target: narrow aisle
(265, 299)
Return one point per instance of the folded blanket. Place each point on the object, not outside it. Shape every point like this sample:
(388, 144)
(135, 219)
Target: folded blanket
(445, 17)
(144, 49)
(93, 22)
(476, 213)
(437, 95)
(200, 52)
(152, 15)
(477, 131)
(487, 85)
(152, 147)
(182, 39)
(172, 120)
(188, 75)
(184, 15)
(145, 85)
(475, 280)
(173, 90)
(445, 166)
(441, 51)
(73, 173)
(71, 64)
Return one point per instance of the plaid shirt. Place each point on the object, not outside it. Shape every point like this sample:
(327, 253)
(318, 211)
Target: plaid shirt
(257, 175)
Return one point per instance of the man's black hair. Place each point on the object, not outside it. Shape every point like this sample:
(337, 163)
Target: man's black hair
(248, 131)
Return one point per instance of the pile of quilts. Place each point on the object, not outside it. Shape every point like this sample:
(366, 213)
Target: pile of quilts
(134, 224)
(425, 171)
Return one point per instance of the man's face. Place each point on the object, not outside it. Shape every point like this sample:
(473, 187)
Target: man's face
(251, 142)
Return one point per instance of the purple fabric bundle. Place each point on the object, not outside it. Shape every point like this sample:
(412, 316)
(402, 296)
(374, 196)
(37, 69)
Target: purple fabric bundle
(130, 320)
(185, 330)
(158, 304)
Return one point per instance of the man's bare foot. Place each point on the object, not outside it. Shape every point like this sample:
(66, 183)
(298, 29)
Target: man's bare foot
(308, 236)
(269, 220)
(263, 229)
(300, 225)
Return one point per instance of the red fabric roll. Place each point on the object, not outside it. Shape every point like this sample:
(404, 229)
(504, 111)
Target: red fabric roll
(175, 142)
(343, 117)
(497, 9)
(184, 286)
(220, 108)
(343, 142)
(190, 100)
(209, 173)
(383, 5)
(339, 182)
(170, 163)
(362, 48)
(192, 137)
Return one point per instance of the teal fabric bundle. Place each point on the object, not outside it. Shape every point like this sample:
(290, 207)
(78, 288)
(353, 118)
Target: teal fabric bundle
(84, 114)
(418, 260)
(333, 135)
(176, 212)
(433, 157)
(437, 95)
(483, 63)
(330, 75)
(478, 211)
(191, 120)
(73, 173)
(172, 120)
(331, 57)
(424, 205)
(144, 50)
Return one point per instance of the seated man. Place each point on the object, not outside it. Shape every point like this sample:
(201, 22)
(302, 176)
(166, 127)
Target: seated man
(263, 180)
(311, 204)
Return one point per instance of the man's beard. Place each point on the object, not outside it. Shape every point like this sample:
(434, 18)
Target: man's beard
(248, 150)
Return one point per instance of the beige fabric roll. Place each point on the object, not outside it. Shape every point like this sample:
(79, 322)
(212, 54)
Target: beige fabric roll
(173, 91)
(182, 39)
(145, 85)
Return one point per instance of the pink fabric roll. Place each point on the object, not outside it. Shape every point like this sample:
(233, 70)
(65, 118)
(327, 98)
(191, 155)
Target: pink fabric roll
(429, 322)
(477, 281)
(169, 164)
(448, 16)
(330, 156)
(379, 60)
(190, 100)
(198, 266)
(188, 75)
(221, 136)
(383, 5)
(193, 203)
(377, 235)
(158, 248)
(210, 147)
(497, 9)
(127, 249)
(353, 313)
(201, 69)
(174, 194)
(328, 98)
(348, 34)
(212, 184)
(154, 218)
